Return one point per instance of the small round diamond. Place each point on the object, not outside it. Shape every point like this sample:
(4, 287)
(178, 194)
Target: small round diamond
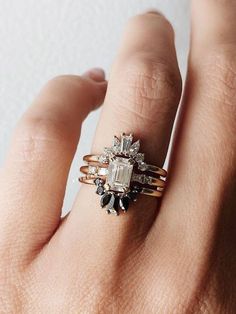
(143, 166)
(139, 157)
(92, 170)
(100, 190)
(103, 159)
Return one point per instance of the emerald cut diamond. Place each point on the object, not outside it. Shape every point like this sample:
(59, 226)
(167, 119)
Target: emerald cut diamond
(119, 174)
(126, 142)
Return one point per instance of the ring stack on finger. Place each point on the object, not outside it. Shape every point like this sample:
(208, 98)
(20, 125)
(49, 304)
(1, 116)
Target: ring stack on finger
(121, 174)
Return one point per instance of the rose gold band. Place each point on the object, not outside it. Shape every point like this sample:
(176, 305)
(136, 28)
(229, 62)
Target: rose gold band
(89, 179)
(101, 172)
(95, 160)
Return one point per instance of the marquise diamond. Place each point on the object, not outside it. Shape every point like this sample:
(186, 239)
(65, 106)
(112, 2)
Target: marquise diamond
(116, 145)
(134, 149)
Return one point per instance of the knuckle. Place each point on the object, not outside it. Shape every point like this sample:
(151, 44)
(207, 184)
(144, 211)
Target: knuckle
(150, 87)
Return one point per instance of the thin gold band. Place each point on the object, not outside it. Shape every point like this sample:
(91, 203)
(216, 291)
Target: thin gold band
(89, 179)
(95, 159)
(99, 172)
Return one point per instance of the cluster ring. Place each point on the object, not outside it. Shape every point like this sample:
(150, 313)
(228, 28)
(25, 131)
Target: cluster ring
(121, 174)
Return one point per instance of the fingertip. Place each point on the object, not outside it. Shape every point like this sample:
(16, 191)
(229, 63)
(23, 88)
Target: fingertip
(96, 74)
(153, 11)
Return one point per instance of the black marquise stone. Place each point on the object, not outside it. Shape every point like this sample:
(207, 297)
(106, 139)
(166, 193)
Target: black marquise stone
(124, 203)
(100, 190)
(114, 202)
(111, 202)
(105, 199)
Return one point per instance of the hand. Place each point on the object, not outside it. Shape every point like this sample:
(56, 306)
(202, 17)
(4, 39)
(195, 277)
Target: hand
(175, 257)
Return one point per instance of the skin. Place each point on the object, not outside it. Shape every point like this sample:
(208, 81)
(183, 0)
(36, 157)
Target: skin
(174, 256)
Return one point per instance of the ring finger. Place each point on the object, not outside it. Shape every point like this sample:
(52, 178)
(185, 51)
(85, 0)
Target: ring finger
(143, 94)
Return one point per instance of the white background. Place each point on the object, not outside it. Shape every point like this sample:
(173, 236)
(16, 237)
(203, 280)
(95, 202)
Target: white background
(45, 38)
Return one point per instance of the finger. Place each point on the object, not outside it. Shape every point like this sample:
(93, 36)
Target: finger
(142, 98)
(213, 23)
(144, 88)
(203, 165)
(35, 173)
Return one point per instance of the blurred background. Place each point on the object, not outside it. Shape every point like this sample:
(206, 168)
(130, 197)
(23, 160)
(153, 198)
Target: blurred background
(46, 38)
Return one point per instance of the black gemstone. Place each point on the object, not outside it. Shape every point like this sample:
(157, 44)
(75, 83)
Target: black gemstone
(124, 203)
(116, 204)
(99, 182)
(137, 188)
(133, 195)
(100, 190)
(111, 202)
(105, 199)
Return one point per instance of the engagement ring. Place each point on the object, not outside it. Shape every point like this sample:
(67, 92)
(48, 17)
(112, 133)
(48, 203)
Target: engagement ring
(121, 174)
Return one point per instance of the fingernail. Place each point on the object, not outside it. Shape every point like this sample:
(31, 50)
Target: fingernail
(96, 74)
(153, 11)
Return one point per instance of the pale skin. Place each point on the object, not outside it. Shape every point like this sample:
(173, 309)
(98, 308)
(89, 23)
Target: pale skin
(177, 256)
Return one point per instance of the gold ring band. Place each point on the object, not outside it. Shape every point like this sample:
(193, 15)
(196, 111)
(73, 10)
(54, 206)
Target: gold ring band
(146, 191)
(99, 171)
(96, 160)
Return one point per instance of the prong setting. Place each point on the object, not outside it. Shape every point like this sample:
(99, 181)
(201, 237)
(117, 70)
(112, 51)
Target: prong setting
(121, 157)
(120, 174)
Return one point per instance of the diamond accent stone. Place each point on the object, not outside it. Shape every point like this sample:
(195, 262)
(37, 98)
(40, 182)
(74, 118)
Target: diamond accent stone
(134, 149)
(139, 157)
(116, 145)
(119, 174)
(92, 170)
(100, 190)
(103, 159)
(107, 187)
(142, 166)
(108, 151)
(126, 141)
(142, 178)
(149, 180)
(102, 171)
